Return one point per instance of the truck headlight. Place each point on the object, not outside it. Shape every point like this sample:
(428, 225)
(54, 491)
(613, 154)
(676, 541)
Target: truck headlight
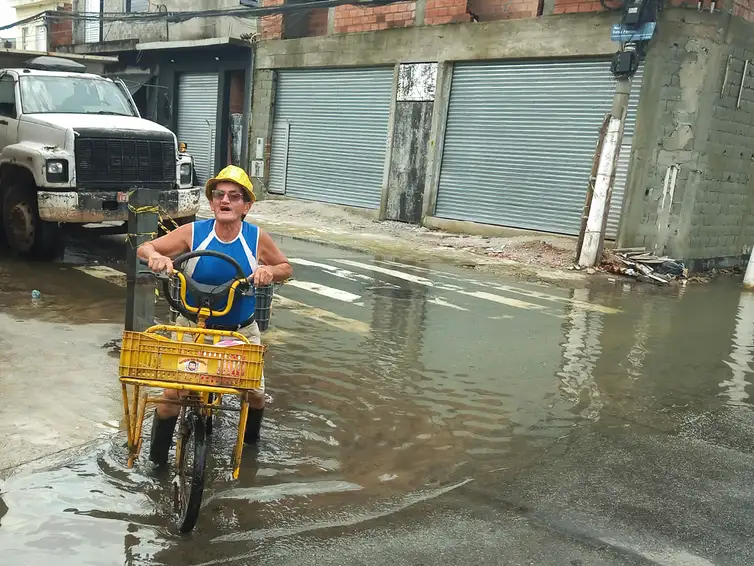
(56, 170)
(185, 173)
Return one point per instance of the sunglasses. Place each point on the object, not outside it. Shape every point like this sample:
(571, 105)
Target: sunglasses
(217, 194)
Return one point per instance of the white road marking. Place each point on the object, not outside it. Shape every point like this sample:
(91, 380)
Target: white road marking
(324, 290)
(427, 283)
(516, 290)
(503, 300)
(327, 317)
(332, 270)
(443, 303)
(385, 271)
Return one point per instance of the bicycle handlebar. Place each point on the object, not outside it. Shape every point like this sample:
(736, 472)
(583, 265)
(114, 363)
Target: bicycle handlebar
(207, 295)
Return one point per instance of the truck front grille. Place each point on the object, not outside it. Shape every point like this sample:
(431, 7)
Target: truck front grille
(105, 163)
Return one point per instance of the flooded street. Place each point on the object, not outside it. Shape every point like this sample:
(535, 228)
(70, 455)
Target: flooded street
(418, 415)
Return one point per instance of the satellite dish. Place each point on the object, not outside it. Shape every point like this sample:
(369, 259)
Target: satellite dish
(46, 63)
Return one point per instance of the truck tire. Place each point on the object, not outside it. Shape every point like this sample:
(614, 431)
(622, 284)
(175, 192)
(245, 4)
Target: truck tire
(25, 232)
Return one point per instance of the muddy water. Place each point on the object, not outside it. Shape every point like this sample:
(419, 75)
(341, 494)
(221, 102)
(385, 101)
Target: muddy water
(413, 406)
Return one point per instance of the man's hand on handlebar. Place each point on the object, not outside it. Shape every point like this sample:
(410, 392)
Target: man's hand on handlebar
(262, 277)
(160, 263)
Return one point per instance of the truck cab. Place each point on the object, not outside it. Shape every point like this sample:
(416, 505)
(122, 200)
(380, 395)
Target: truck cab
(72, 147)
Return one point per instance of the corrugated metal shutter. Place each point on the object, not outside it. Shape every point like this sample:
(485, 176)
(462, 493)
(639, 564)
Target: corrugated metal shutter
(330, 134)
(197, 120)
(520, 140)
(621, 171)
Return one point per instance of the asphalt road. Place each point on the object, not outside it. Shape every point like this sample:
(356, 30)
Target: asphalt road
(418, 415)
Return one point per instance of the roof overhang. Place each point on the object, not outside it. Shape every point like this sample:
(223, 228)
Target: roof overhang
(17, 58)
(192, 43)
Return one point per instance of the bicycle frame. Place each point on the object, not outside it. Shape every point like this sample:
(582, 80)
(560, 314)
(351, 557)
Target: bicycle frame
(135, 405)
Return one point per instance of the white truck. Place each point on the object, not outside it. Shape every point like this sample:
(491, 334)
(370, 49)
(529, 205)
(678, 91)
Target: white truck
(72, 146)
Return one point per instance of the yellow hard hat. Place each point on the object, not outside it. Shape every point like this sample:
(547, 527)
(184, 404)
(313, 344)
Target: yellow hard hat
(232, 174)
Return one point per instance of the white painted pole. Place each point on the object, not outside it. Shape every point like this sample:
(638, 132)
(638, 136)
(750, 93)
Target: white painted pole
(749, 275)
(599, 206)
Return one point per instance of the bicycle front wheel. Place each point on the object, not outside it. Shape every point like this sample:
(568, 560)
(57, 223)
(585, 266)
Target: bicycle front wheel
(189, 481)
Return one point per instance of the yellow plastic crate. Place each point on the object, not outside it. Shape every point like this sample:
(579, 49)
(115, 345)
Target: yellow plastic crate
(153, 357)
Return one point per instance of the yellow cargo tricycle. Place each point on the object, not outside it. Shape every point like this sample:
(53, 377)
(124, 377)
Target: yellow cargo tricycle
(204, 364)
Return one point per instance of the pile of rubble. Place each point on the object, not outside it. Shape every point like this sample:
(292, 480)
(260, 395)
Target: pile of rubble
(643, 266)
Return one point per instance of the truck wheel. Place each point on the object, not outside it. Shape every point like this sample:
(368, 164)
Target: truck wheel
(26, 233)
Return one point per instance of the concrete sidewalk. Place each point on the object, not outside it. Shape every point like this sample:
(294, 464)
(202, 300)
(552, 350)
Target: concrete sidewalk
(515, 252)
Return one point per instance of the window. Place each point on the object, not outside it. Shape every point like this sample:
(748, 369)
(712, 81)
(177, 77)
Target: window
(72, 95)
(7, 97)
(137, 6)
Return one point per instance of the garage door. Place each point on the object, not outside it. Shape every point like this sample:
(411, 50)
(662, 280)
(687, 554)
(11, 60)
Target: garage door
(197, 120)
(330, 134)
(520, 140)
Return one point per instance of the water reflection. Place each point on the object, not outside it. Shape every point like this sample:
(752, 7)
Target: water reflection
(581, 351)
(742, 354)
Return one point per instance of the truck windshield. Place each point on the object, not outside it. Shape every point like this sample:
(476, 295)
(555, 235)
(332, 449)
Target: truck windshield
(72, 95)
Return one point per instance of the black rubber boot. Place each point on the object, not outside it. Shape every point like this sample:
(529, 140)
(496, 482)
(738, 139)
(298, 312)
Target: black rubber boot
(162, 437)
(253, 426)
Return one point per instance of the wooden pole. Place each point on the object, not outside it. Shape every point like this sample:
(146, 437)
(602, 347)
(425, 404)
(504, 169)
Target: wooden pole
(143, 218)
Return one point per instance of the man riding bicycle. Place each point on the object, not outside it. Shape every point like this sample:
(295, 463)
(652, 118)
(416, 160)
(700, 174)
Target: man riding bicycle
(231, 196)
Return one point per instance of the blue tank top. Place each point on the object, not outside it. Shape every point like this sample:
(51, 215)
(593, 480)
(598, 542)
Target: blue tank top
(215, 271)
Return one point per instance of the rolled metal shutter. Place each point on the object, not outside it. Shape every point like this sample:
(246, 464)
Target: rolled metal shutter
(197, 120)
(519, 142)
(330, 134)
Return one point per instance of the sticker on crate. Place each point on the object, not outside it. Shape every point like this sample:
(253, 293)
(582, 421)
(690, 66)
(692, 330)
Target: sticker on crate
(192, 365)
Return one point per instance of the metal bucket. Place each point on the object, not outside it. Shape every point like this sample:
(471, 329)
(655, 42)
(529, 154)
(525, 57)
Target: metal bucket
(263, 306)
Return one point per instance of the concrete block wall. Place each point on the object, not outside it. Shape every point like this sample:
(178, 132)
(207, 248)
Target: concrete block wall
(690, 190)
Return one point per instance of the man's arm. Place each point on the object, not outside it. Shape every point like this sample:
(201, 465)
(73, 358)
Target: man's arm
(275, 265)
(159, 251)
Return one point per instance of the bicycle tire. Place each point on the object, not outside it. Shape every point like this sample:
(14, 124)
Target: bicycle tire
(196, 442)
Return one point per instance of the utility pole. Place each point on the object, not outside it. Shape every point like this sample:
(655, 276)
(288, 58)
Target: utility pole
(143, 219)
(599, 208)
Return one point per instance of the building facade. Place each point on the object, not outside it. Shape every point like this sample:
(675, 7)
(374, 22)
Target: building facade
(461, 114)
(190, 74)
(467, 115)
(38, 35)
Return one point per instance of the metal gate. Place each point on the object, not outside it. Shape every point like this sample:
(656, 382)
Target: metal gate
(330, 134)
(197, 120)
(520, 139)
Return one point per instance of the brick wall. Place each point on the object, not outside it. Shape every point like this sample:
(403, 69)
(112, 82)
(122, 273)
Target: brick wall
(318, 22)
(350, 18)
(438, 12)
(272, 26)
(744, 9)
(61, 30)
(491, 10)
